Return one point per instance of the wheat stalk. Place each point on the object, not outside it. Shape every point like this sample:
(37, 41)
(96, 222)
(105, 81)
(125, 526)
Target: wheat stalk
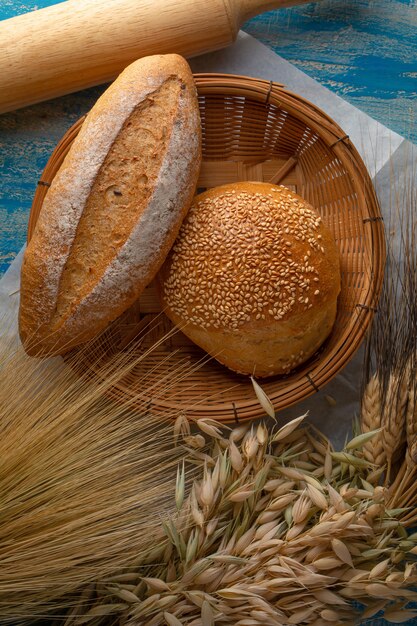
(371, 419)
(411, 425)
(80, 478)
(394, 417)
(391, 357)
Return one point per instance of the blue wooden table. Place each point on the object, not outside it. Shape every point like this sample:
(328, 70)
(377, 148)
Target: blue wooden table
(365, 51)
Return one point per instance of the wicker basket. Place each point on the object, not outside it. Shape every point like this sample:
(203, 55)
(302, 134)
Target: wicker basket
(256, 130)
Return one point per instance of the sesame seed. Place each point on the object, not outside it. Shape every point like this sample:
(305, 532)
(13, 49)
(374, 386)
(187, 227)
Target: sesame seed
(231, 261)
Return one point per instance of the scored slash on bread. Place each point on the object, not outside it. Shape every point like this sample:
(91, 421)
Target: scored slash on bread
(114, 208)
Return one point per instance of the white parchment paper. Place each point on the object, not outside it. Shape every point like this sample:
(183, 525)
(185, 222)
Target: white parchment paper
(387, 156)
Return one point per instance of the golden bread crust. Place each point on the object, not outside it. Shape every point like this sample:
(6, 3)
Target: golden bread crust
(114, 208)
(253, 278)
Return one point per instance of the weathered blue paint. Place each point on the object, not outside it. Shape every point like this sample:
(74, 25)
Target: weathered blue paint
(27, 138)
(365, 51)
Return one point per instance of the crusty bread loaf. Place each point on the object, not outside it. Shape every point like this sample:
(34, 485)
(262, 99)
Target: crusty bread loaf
(253, 278)
(114, 208)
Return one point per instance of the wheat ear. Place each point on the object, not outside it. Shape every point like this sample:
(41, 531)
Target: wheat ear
(81, 479)
(394, 418)
(411, 427)
(371, 417)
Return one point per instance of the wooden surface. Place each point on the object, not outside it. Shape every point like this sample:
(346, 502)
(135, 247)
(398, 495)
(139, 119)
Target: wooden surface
(74, 45)
(364, 51)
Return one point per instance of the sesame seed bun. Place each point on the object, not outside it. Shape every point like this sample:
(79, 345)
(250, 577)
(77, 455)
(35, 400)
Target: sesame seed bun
(253, 278)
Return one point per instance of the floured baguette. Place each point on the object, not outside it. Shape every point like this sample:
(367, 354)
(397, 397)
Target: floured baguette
(114, 208)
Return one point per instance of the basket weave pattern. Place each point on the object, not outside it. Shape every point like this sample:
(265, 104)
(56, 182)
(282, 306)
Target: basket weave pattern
(256, 130)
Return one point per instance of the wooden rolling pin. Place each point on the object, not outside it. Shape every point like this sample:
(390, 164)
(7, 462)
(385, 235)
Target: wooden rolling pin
(80, 43)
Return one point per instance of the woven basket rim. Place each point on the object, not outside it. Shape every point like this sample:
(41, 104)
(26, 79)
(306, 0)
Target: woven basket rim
(303, 384)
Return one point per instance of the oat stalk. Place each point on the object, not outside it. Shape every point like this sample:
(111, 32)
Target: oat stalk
(275, 541)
